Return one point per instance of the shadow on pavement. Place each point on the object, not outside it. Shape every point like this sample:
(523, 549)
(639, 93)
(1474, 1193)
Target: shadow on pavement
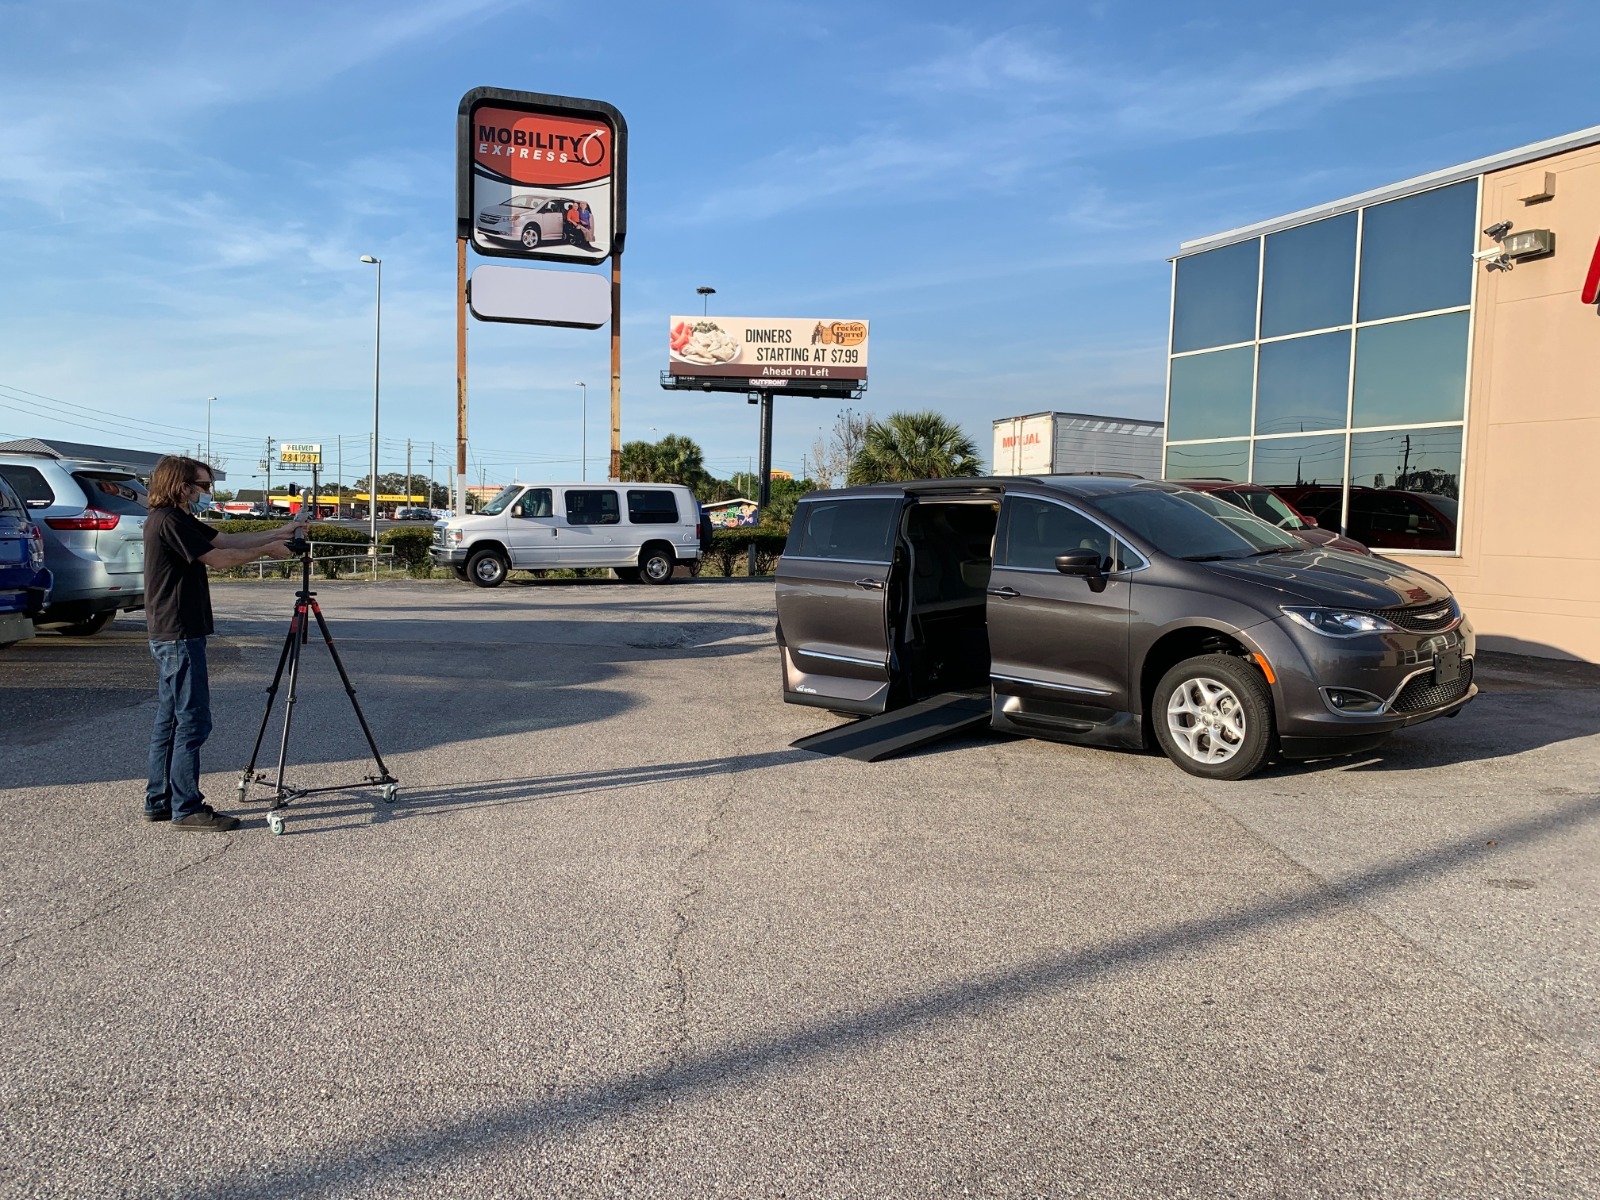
(363, 1167)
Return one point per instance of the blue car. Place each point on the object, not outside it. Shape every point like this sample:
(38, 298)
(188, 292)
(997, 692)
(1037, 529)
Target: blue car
(24, 582)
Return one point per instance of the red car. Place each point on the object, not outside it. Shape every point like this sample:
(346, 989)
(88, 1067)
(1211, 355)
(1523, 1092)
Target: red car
(1386, 517)
(1272, 508)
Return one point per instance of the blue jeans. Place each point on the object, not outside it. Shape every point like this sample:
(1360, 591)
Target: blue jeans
(183, 722)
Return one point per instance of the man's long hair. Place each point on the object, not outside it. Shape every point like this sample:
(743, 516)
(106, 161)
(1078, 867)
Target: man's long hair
(172, 474)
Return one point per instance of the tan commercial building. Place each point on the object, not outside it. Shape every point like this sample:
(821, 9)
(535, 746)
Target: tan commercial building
(1418, 365)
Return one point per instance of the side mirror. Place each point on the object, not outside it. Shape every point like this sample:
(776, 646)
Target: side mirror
(1311, 522)
(1079, 562)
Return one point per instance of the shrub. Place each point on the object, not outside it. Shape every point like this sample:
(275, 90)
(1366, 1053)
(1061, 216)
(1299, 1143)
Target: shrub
(730, 548)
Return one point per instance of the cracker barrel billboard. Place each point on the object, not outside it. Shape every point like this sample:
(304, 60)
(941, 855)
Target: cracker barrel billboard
(540, 177)
(762, 348)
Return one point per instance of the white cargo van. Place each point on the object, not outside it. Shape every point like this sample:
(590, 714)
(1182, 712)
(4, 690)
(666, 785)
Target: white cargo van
(640, 530)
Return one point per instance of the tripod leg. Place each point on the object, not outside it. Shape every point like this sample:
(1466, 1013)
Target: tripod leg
(294, 679)
(350, 690)
(272, 695)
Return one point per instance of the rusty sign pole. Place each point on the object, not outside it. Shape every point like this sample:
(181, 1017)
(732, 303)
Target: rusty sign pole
(461, 378)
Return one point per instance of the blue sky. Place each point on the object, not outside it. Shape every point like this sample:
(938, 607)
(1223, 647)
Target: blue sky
(186, 189)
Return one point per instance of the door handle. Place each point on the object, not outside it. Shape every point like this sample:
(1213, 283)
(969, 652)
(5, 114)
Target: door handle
(871, 585)
(1005, 593)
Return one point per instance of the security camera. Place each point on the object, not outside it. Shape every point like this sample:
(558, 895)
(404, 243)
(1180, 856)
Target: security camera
(1486, 255)
(1498, 230)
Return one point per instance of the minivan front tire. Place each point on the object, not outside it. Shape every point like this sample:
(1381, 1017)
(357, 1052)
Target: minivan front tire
(487, 568)
(1213, 717)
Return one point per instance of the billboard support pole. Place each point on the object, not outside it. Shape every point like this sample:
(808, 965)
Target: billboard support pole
(461, 378)
(764, 495)
(616, 367)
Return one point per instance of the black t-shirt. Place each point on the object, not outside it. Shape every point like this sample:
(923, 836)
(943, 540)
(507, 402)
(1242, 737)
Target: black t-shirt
(177, 598)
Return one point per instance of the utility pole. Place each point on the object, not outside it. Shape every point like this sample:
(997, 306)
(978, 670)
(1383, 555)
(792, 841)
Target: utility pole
(430, 474)
(269, 475)
(338, 503)
(408, 472)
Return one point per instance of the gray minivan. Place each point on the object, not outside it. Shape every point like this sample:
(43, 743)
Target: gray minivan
(1113, 612)
(92, 516)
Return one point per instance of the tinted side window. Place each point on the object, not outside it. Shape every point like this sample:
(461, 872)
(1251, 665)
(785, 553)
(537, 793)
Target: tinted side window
(1037, 532)
(30, 485)
(535, 502)
(858, 530)
(598, 507)
(652, 508)
(120, 494)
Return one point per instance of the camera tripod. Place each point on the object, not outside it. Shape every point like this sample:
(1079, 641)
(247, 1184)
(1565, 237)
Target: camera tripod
(305, 608)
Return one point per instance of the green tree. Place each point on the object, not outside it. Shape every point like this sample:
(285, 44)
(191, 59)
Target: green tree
(674, 459)
(921, 445)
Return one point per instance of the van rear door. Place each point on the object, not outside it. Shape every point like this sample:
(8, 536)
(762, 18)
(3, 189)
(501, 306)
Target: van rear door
(833, 592)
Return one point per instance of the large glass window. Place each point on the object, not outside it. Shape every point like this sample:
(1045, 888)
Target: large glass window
(1411, 372)
(1297, 461)
(1209, 460)
(1303, 384)
(1211, 395)
(1309, 277)
(1416, 253)
(1214, 297)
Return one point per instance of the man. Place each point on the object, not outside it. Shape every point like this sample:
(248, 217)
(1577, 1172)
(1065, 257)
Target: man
(177, 606)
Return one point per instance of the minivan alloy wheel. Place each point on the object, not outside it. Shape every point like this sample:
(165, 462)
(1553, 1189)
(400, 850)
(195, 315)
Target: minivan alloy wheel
(1213, 716)
(1207, 720)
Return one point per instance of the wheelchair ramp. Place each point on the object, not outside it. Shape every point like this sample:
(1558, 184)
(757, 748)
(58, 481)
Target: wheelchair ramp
(873, 739)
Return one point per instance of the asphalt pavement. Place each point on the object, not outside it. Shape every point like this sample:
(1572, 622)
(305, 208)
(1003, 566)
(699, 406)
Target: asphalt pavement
(617, 938)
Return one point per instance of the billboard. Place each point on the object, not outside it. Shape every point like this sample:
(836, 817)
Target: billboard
(768, 351)
(540, 177)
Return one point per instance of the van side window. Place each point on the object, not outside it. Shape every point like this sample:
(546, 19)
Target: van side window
(30, 485)
(596, 507)
(535, 502)
(652, 508)
(1034, 533)
(856, 530)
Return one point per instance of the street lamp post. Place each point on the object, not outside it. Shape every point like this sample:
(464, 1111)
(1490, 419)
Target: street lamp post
(705, 294)
(377, 341)
(583, 441)
(209, 400)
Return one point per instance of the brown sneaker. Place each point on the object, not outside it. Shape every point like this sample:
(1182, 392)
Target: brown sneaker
(206, 821)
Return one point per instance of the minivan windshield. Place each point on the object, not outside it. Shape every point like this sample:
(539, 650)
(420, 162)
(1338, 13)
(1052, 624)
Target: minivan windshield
(1194, 525)
(499, 504)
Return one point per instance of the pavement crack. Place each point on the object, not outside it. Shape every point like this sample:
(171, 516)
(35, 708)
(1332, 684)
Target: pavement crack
(692, 873)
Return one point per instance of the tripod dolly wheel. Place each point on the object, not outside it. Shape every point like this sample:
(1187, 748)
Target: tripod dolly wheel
(391, 793)
(275, 823)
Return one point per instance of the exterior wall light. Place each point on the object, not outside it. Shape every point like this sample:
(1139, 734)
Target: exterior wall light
(1529, 243)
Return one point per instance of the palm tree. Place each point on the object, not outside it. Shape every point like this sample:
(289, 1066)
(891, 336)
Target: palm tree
(909, 446)
(674, 459)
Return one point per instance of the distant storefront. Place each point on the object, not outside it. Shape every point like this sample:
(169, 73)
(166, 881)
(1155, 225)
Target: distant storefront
(1420, 365)
(738, 513)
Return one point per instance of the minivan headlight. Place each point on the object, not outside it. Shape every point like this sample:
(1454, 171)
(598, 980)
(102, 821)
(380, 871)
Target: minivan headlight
(1337, 622)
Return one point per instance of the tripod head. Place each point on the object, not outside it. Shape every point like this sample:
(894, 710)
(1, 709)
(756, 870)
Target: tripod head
(298, 545)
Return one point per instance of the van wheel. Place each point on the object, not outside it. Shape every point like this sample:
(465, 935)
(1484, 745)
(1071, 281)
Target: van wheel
(487, 568)
(627, 574)
(530, 235)
(656, 564)
(87, 627)
(1213, 717)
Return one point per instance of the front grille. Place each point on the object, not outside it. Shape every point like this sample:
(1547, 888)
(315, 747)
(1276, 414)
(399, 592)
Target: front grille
(1422, 618)
(1422, 693)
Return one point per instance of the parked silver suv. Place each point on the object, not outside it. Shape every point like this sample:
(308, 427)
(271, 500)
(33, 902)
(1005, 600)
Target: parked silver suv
(92, 516)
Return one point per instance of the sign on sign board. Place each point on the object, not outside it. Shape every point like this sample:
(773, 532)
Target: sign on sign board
(300, 453)
(769, 352)
(540, 177)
